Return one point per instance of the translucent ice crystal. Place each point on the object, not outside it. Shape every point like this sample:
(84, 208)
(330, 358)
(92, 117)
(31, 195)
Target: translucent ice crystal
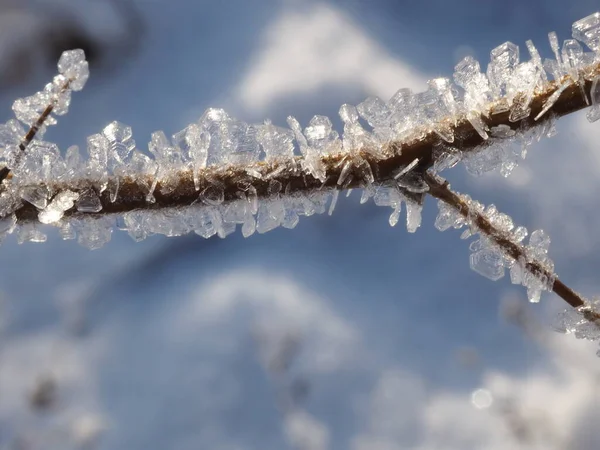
(355, 137)
(503, 62)
(587, 30)
(28, 110)
(413, 216)
(277, 143)
(120, 138)
(29, 232)
(55, 210)
(239, 144)
(93, 233)
(59, 95)
(89, 201)
(593, 113)
(467, 74)
(72, 64)
(378, 115)
(36, 195)
(312, 161)
(488, 262)
(321, 136)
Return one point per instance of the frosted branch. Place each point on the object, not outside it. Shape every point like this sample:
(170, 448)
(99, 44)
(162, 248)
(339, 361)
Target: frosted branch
(501, 244)
(220, 172)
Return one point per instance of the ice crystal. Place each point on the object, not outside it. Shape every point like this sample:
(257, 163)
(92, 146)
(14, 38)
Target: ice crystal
(583, 322)
(489, 259)
(587, 30)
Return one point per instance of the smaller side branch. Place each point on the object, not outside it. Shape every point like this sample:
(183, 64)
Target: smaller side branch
(32, 132)
(440, 189)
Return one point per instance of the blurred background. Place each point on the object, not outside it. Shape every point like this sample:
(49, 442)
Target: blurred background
(343, 333)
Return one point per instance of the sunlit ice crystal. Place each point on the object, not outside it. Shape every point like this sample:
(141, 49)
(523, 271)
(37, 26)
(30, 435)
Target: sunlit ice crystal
(587, 30)
(88, 201)
(206, 221)
(168, 222)
(572, 57)
(312, 159)
(194, 142)
(413, 216)
(27, 110)
(467, 74)
(503, 62)
(321, 136)
(435, 105)
(442, 108)
(59, 95)
(355, 137)
(553, 39)
(593, 113)
(537, 61)
(581, 322)
(271, 213)
(521, 89)
(73, 163)
(448, 217)
(487, 159)
(276, 142)
(120, 138)
(135, 224)
(29, 232)
(488, 262)
(402, 106)
(72, 64)
(41, 162)
(8, 224)
(55, 210)
(145, 169)
(93, 233)
(239, 142)
(11, 134)
(36, 195)
(539, 243)
(168, 158)
(212, 121)
(98, 147)
(377, 114)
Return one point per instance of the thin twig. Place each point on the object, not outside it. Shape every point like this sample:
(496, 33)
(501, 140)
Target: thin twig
(31, 133)
(440, 189)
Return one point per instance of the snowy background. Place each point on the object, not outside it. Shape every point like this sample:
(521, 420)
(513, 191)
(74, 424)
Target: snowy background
(343, 333)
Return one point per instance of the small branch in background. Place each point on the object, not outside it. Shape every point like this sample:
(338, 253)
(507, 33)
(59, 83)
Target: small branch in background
(440, 189)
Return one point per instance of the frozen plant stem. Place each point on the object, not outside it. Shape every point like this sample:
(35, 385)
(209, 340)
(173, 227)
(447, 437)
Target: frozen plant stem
(440, 189)
(384, 162)
(5, 171)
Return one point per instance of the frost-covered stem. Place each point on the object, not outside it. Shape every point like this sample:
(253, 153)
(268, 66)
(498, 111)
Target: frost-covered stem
(182, 191)
(440, 189)
(5, 171)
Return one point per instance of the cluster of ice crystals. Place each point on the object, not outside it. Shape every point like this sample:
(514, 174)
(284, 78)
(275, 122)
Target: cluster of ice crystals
(587, 30)
(73, 73)
(573, 321)
(55, 210)
(490, 259)
(594, 112)
(73, 65)
(583, 322)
